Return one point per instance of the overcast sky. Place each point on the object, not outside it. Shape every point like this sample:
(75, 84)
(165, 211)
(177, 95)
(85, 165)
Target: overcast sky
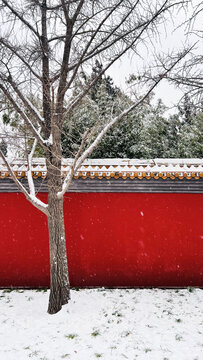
(172, 37)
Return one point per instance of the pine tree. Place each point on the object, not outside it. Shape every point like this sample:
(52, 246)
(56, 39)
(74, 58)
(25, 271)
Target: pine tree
(3, 147)
(126, 140)
(187, 110)
(191, 138)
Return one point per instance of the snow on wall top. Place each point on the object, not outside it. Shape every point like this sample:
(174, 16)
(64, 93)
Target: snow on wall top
(114, 168)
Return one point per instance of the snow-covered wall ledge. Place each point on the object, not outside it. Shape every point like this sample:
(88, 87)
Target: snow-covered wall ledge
(114, 168)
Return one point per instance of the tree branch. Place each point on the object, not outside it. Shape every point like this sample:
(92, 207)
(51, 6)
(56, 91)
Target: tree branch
(29, 171)
(82, 94)
(20, 57)
(91, 40)
(45, 72)
(40, 205)
(30, 107)
(30, 125)
(118, 118)
(71, 171)
(79, 7)
(21, 18)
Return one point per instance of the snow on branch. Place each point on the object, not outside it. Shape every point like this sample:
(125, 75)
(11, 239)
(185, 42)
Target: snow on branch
(29, 172)
(72, 170)
(33, 109)
(40, 205)
(79, 160)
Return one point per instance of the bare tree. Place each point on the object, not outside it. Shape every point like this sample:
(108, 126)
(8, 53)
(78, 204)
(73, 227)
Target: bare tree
(44, 45)
(188, 76)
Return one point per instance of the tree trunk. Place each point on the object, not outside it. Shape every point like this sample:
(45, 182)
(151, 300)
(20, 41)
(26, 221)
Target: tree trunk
(59, 279)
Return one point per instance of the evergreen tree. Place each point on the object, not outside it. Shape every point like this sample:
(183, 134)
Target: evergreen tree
(3, 147)
(143, 133)
(103, 101)
(187, 110)
(172, 137)
(191, 138)
(153, 135)
(129, 138)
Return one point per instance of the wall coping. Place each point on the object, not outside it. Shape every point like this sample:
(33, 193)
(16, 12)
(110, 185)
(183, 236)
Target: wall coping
(113, 168)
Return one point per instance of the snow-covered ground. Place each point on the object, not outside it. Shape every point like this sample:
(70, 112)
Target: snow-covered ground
(101, 323)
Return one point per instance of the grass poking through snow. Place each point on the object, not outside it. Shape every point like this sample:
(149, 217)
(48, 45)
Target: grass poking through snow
(107, 324)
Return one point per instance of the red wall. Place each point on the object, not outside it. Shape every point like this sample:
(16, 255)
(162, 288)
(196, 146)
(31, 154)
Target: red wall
(112, 239)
